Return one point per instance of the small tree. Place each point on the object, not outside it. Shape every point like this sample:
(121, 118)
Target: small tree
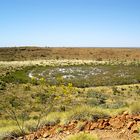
(42, 101)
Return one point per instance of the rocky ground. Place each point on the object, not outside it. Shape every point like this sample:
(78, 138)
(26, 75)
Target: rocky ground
(121, 127)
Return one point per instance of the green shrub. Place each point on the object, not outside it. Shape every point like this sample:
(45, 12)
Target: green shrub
(52, 118)
(2, 85)
(115, 90)
(9, 131)
(85, 112)
(83, 136)
(27, 87)
(96, 99)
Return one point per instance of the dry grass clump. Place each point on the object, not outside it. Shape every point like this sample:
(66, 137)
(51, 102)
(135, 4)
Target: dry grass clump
(9, 131)
(86, 112)
(135, 108)
(64, 62)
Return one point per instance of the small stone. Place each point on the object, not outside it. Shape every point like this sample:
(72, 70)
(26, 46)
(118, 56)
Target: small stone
(30, 137)
(45, 135)
(87, 127)
(101, 124)
(93, 126)
(116, 123)
(130, 124)
(67, 132)
(136, 118)
(134, 129)
(122, 132)
(125, 113)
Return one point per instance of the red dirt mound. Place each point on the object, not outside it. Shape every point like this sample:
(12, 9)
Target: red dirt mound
(121, 127)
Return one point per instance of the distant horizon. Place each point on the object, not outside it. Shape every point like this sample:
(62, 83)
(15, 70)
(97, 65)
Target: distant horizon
(65, 47)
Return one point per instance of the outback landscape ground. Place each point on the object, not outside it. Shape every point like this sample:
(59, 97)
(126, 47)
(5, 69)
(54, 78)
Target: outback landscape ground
(36, 53)
(69, 93)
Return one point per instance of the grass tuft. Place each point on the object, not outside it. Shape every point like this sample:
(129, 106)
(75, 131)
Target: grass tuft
(86, 113)
(135, 108)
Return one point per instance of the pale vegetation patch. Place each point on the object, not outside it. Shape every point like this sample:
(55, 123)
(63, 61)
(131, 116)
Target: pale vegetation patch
(135, 107)
(16, 64)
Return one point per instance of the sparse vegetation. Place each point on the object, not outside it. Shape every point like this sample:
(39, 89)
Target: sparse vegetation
(86, 113)
(53, 92)
(38, 53)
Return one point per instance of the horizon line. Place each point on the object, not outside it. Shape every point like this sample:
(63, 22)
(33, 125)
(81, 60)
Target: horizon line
(67, 46)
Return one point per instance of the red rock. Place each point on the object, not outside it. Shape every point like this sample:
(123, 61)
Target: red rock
(122, 118)
(82, 127)
(67, 132)
(42, 132)
(101, 124)
(125, 113)
(134, 129)
(87, 126)
(105, 124)
(52, 130)
(130, 124)
(30, 137)
(116, 123)
(45, 135)
(37, 134)
(128, 117)
(136, 118)
(71, 126)
(74, 122)
(93, 126)
(122, 132)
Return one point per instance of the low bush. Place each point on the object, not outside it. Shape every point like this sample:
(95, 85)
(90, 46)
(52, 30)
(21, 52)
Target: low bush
(2, 85)
(9, 131)
(85, 112)
(52, 118)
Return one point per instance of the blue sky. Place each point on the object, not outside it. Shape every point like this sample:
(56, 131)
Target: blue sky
(89, 23)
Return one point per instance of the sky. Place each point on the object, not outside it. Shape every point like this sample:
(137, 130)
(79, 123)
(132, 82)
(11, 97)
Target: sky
(70, 23)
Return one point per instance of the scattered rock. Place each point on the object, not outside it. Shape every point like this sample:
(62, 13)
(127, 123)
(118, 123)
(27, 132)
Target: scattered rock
(116, 123)
(93, 126)
(130, 124)
(30, 137)
(124, 124)
(122, 132)
(101, 124)
(87, 126)
(125, 113)
(67, 132)
(45, 135)
(134, 129)
(136, 118)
